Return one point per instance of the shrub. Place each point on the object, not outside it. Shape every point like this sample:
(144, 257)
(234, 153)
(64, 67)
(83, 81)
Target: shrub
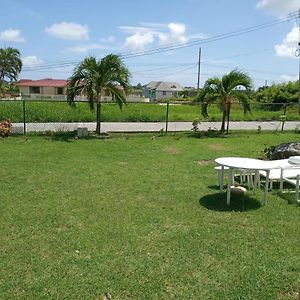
(268, 151)
(5, 127)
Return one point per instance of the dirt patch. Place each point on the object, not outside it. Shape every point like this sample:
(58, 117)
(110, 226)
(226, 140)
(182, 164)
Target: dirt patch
(217, 147)
(171, 149)
(203, 162)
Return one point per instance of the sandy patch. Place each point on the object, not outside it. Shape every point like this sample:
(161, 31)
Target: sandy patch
(217, 147)
(171, 150)
(203, 162)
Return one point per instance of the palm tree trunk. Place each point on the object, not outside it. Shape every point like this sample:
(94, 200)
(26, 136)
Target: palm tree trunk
(1, 79)
(223, 121)
(98, 118)
(228, 106)
(227, 127)
(228, 114)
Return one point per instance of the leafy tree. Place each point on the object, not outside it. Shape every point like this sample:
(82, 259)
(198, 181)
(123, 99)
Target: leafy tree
(276, 96)
(94, 77)
(223, 91)
(10, 65)
(184, 94)
(10, 89)
(139, 86)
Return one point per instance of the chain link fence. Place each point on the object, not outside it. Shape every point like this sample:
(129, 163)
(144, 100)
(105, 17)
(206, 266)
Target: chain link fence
(52, 115)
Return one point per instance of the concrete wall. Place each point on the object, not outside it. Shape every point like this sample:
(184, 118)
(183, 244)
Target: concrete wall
(160, 94)
(154, 94)
(24, 90)
(48, 96)
(45, 93)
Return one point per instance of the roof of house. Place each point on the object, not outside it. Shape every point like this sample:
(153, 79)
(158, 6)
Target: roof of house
(48, 82)
(164, 86)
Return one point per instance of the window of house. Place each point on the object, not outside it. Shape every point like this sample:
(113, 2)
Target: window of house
(164, 93)
(60, 91)
(34, 90)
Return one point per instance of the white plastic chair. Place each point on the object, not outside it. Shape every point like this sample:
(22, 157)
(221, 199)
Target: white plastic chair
(291, 175)
(245, 176)
(275, 174)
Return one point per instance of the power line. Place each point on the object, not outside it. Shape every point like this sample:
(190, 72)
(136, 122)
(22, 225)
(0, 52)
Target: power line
(180, 45)
(208, 40)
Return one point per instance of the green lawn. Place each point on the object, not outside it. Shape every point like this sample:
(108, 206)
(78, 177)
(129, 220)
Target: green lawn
(140, 217)
(43, 111)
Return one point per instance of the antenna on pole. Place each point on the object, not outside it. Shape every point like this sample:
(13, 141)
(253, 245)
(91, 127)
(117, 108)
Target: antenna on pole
(199, 62)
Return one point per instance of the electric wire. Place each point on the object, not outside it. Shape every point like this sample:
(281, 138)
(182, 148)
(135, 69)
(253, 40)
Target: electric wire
(176, 46)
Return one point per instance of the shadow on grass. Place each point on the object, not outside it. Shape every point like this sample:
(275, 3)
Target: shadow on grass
(214, 187)
(207, 134)
(239, 203)
(288, 196)
(71, 136)
(60, 136)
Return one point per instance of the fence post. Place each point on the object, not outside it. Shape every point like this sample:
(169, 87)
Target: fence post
(24, 117)
(283, 117)
(167, 117)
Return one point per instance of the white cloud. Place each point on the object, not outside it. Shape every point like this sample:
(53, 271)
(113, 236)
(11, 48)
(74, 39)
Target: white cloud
(278, 7)
(139, 40)
(289, 44)
(68, 31)
(86, 48)
(135, 29)
(11, 35)
(29, 61)
(285, 77)
(149, 33)
(161, 26)
(175, 35)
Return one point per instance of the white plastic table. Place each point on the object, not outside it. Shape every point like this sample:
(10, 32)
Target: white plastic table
(249, 164)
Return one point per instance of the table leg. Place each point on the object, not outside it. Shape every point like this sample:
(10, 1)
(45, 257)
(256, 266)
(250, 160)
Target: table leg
(221, 179)
(230, 175)
(255, 181)
(265, 200)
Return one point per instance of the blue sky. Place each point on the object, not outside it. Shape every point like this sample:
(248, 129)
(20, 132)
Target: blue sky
(53, 36)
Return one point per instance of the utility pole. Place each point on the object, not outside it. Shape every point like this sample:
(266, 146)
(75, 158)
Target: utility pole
(199, 62)
(298, 54)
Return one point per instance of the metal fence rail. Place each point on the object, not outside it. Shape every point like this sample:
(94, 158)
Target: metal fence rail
(51, 115)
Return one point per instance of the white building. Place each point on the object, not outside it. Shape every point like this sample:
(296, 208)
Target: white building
(159, 90)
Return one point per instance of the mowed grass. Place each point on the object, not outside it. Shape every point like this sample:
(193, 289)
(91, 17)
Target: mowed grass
(140, 217)
(45, 111)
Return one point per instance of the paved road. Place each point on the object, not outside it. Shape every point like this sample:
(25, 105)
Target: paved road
(151, 126)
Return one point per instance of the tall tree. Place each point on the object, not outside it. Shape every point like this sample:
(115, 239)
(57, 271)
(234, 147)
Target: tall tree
(10, 64)
(94, 77)
(223, 91)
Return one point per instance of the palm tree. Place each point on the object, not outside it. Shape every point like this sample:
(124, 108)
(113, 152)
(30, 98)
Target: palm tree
(224, 90)
(10, 64)
(94, 77)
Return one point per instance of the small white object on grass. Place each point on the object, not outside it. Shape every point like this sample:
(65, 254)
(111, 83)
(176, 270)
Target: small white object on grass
(238, 190)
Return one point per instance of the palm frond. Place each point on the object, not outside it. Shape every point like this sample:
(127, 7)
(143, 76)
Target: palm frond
(204, 109)
(91, 78)
(10, 64)
(243, 100)
(234, 79)
(118, 95)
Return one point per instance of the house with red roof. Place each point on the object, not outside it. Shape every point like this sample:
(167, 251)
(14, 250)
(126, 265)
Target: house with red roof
(55, 89)
(46, 88)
